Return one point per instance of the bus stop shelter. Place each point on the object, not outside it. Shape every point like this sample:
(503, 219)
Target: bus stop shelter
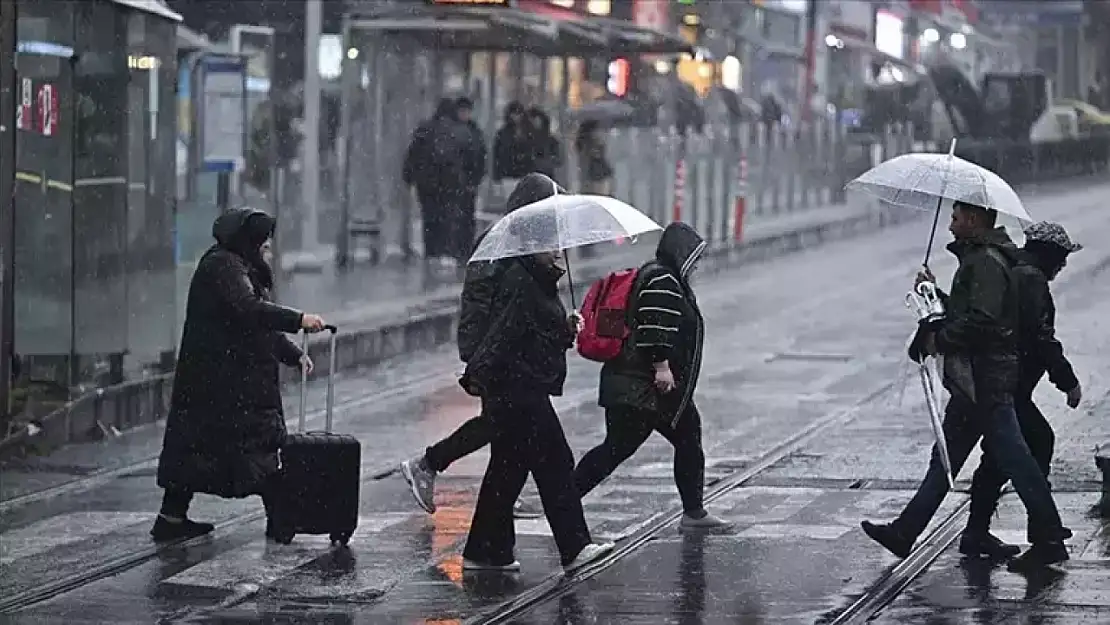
(392, 74)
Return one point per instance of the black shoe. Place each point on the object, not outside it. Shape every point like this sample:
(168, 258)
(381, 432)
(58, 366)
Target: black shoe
(166, 531)
(986, 545)
(1039, 556)
(888, 537)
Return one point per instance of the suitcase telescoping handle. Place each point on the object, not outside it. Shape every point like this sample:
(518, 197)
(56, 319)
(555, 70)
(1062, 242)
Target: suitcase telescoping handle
(329, 407)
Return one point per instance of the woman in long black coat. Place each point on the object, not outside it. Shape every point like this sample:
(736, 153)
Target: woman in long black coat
(226, 424)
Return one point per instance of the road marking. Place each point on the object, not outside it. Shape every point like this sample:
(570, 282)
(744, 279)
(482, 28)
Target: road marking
(65, 529)
(786, 530)
(539, 527)
(262, 562)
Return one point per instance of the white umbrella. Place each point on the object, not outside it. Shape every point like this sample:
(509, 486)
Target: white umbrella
(923, 181)
(562, 222)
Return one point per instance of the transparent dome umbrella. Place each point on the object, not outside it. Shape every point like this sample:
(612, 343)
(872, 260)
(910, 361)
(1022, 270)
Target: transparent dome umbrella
(562, 222)
(924, 181)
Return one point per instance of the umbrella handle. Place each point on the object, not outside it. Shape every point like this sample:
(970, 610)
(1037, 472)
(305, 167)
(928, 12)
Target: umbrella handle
(932, 234)
(570, 282)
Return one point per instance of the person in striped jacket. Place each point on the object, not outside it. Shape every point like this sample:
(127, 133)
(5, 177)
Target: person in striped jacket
(650, 385)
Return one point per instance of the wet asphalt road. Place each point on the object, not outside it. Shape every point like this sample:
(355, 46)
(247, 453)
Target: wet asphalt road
(795, 342)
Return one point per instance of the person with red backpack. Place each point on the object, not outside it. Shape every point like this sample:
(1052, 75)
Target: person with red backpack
(648, 330)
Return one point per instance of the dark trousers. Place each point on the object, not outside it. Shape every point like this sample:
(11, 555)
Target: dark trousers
(986, 485)
(463, 229)
(436, 210)
(474, 434)
(626, 429)
(964, 424)
(528, 438)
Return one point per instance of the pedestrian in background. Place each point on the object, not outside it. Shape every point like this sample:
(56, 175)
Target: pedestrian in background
(226, 424)
(437, 166)
(547, 151)
(463, 227)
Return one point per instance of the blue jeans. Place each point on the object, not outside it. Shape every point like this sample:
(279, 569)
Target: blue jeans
(964, 424)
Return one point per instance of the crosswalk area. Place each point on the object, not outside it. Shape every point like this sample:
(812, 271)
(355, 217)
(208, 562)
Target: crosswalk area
(398, 548)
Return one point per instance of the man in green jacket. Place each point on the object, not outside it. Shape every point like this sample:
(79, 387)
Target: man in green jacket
(979, 343)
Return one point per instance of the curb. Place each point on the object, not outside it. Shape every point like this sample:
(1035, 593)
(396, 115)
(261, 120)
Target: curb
(108, 411)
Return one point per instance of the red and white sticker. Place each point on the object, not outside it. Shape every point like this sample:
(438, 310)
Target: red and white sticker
(24, 110)
(48, 110)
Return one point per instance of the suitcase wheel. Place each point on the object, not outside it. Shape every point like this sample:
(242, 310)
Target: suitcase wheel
(340, 537)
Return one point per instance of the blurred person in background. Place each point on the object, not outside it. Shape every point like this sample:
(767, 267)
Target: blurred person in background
(437, 166)
(226, 424)
(595, 171)
(512, 156)
(463, 225)
(547, 151)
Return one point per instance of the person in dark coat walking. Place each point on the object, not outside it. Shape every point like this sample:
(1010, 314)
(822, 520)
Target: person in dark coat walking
(464, 222)
(1047, 246)
(512, 154)
(520, 363)
(436, 164)
(547, 152)
(476, 313)
(650, 386)
(225, 423)
(979, 342)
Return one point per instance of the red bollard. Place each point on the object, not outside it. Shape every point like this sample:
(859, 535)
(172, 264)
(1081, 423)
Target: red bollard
(740, 202)
(679, 190)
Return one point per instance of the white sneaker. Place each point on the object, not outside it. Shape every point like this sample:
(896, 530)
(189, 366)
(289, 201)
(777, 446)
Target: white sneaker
(471, 565)
(589, 553)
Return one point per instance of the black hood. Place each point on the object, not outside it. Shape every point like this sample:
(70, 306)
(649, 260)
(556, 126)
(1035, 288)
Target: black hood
(513, 108)
(680, 247)
(996, 238)
(446, 109)
(532, 188)
(229, 228)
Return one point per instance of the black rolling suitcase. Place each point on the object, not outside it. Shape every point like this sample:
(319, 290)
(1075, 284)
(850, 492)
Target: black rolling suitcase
(320, 474)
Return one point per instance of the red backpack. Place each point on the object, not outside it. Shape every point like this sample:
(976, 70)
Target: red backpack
(605, 316)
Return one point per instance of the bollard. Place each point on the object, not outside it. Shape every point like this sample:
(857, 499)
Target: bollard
(1102, 461)
(679, 190)
(740, 200)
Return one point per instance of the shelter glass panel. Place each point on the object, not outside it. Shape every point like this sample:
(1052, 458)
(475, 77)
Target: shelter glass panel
(43, 206)
(100, 194)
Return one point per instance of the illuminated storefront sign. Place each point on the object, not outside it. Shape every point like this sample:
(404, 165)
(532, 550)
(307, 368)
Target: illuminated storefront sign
(889, 34)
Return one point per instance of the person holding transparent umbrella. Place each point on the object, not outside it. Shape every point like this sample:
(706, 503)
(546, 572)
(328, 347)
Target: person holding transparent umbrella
(978, 339)
(521, 362)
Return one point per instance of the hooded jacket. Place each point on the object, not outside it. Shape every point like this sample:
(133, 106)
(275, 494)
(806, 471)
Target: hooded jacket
(666, 325)
(524, 351)
(512, 147)
(440, 157)
(1039, 349)
(979, 338)
(482, 279)
(225, 423)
